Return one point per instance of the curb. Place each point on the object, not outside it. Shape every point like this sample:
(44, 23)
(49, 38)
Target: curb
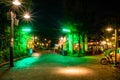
(5, 63)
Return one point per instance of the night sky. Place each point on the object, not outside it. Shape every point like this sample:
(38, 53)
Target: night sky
(49, 13)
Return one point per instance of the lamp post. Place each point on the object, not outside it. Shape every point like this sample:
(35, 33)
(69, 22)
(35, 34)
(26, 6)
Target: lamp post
(12, 16)
(116, 46)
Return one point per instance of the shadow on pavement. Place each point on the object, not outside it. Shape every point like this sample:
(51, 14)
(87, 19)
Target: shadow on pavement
(4, 71)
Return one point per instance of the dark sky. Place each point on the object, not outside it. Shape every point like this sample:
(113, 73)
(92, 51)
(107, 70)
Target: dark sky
(47, 16)
(48, 13)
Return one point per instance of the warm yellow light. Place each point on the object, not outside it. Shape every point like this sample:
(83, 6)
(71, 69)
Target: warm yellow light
(107, 39)
(16, 2)
(113, 34)
(26, 16)
(64, 39)
(36, 54)
(36, 37)
(38, 43)
(47, 44)
(91, 43)
(113, 37)
(109, 43)
(49, 41)
(42, 44)
(61, 38)
(45, 39)
(109, 29)
(76, 71)
(103, 42)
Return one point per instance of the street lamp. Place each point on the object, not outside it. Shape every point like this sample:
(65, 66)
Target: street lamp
(109, 29)
(27, 16)
(115, 47)
(12, 15)
(16, 2)
(66, 30)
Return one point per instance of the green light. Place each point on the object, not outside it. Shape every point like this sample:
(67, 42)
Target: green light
(26, 62)
(26, 30)
(70, 44)
(66, 30)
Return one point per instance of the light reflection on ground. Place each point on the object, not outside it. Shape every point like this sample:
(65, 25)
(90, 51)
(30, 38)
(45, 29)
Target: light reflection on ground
(36, 54)
(75, 71)
(27, 62)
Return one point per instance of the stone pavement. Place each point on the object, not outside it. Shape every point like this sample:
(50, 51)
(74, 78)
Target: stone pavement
(58, 67)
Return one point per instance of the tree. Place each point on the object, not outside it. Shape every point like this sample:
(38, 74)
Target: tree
(77, 12)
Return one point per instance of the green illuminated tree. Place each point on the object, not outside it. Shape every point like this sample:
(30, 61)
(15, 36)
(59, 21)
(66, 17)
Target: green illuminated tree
(4, 34)
(76, 35)
(79, 17)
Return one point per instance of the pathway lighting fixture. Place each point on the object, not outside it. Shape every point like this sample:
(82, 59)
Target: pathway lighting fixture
(66, 30)
(16, 2)
(13, 16)
(27, 16)
(109, 29)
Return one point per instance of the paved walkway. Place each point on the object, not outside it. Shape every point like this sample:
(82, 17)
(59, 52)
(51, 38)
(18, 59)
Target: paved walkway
(58, 67)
